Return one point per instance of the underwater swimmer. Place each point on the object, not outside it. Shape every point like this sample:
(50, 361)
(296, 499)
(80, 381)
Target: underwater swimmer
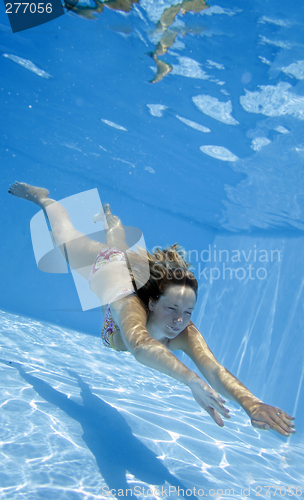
(155, 319)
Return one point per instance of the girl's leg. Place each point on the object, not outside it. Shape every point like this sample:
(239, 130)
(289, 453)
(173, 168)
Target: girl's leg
(79, 250)
(115, 234)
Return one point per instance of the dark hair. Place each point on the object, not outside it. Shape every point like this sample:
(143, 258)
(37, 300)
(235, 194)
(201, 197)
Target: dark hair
(167, 267)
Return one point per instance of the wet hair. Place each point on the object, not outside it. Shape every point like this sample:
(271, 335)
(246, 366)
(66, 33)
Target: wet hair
(167, 267)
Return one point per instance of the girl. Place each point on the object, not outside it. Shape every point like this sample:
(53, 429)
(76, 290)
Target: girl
(155, 319)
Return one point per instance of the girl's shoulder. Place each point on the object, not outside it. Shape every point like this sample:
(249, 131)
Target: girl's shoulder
(130, 308)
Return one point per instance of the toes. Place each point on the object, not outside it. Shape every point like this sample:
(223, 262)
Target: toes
(14, 188)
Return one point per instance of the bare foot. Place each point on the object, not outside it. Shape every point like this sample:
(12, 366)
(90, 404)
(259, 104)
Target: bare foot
(111, 219)
(106, 214)
(35, 194)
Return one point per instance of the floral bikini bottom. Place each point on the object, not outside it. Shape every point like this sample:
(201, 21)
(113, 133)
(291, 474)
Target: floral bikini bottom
(109, 327)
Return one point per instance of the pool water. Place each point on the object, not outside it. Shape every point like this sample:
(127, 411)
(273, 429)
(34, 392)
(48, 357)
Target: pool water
(188, 119)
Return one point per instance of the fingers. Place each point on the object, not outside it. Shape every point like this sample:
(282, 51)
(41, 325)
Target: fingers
(214, 408)
(283, 423)
(223, 411)
(269, 417)
(217, 403)
(287, 419)
(219, 398)
(284, 428)
(209, 400)
(213, 414)
(288, 416)
(277, 425)
(286, 422)
(267, 426)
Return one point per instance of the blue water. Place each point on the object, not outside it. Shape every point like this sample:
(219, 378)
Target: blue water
(211, 156)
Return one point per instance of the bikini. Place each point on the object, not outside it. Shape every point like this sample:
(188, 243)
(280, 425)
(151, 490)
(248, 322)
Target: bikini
(109, 327)
(106, 255)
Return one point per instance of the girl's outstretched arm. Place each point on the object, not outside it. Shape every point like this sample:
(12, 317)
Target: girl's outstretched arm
(262, 416)
(131, 318)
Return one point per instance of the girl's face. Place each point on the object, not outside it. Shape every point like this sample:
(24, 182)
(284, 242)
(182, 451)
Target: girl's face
(171, 313)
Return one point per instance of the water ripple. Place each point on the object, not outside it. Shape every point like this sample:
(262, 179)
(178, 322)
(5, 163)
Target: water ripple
(63, 411)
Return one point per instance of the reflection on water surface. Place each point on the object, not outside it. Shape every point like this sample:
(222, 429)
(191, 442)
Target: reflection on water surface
(166, 30)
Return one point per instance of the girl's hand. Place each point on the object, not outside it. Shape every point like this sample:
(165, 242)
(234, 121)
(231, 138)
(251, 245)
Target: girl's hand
(209, 399)
(269, 417)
